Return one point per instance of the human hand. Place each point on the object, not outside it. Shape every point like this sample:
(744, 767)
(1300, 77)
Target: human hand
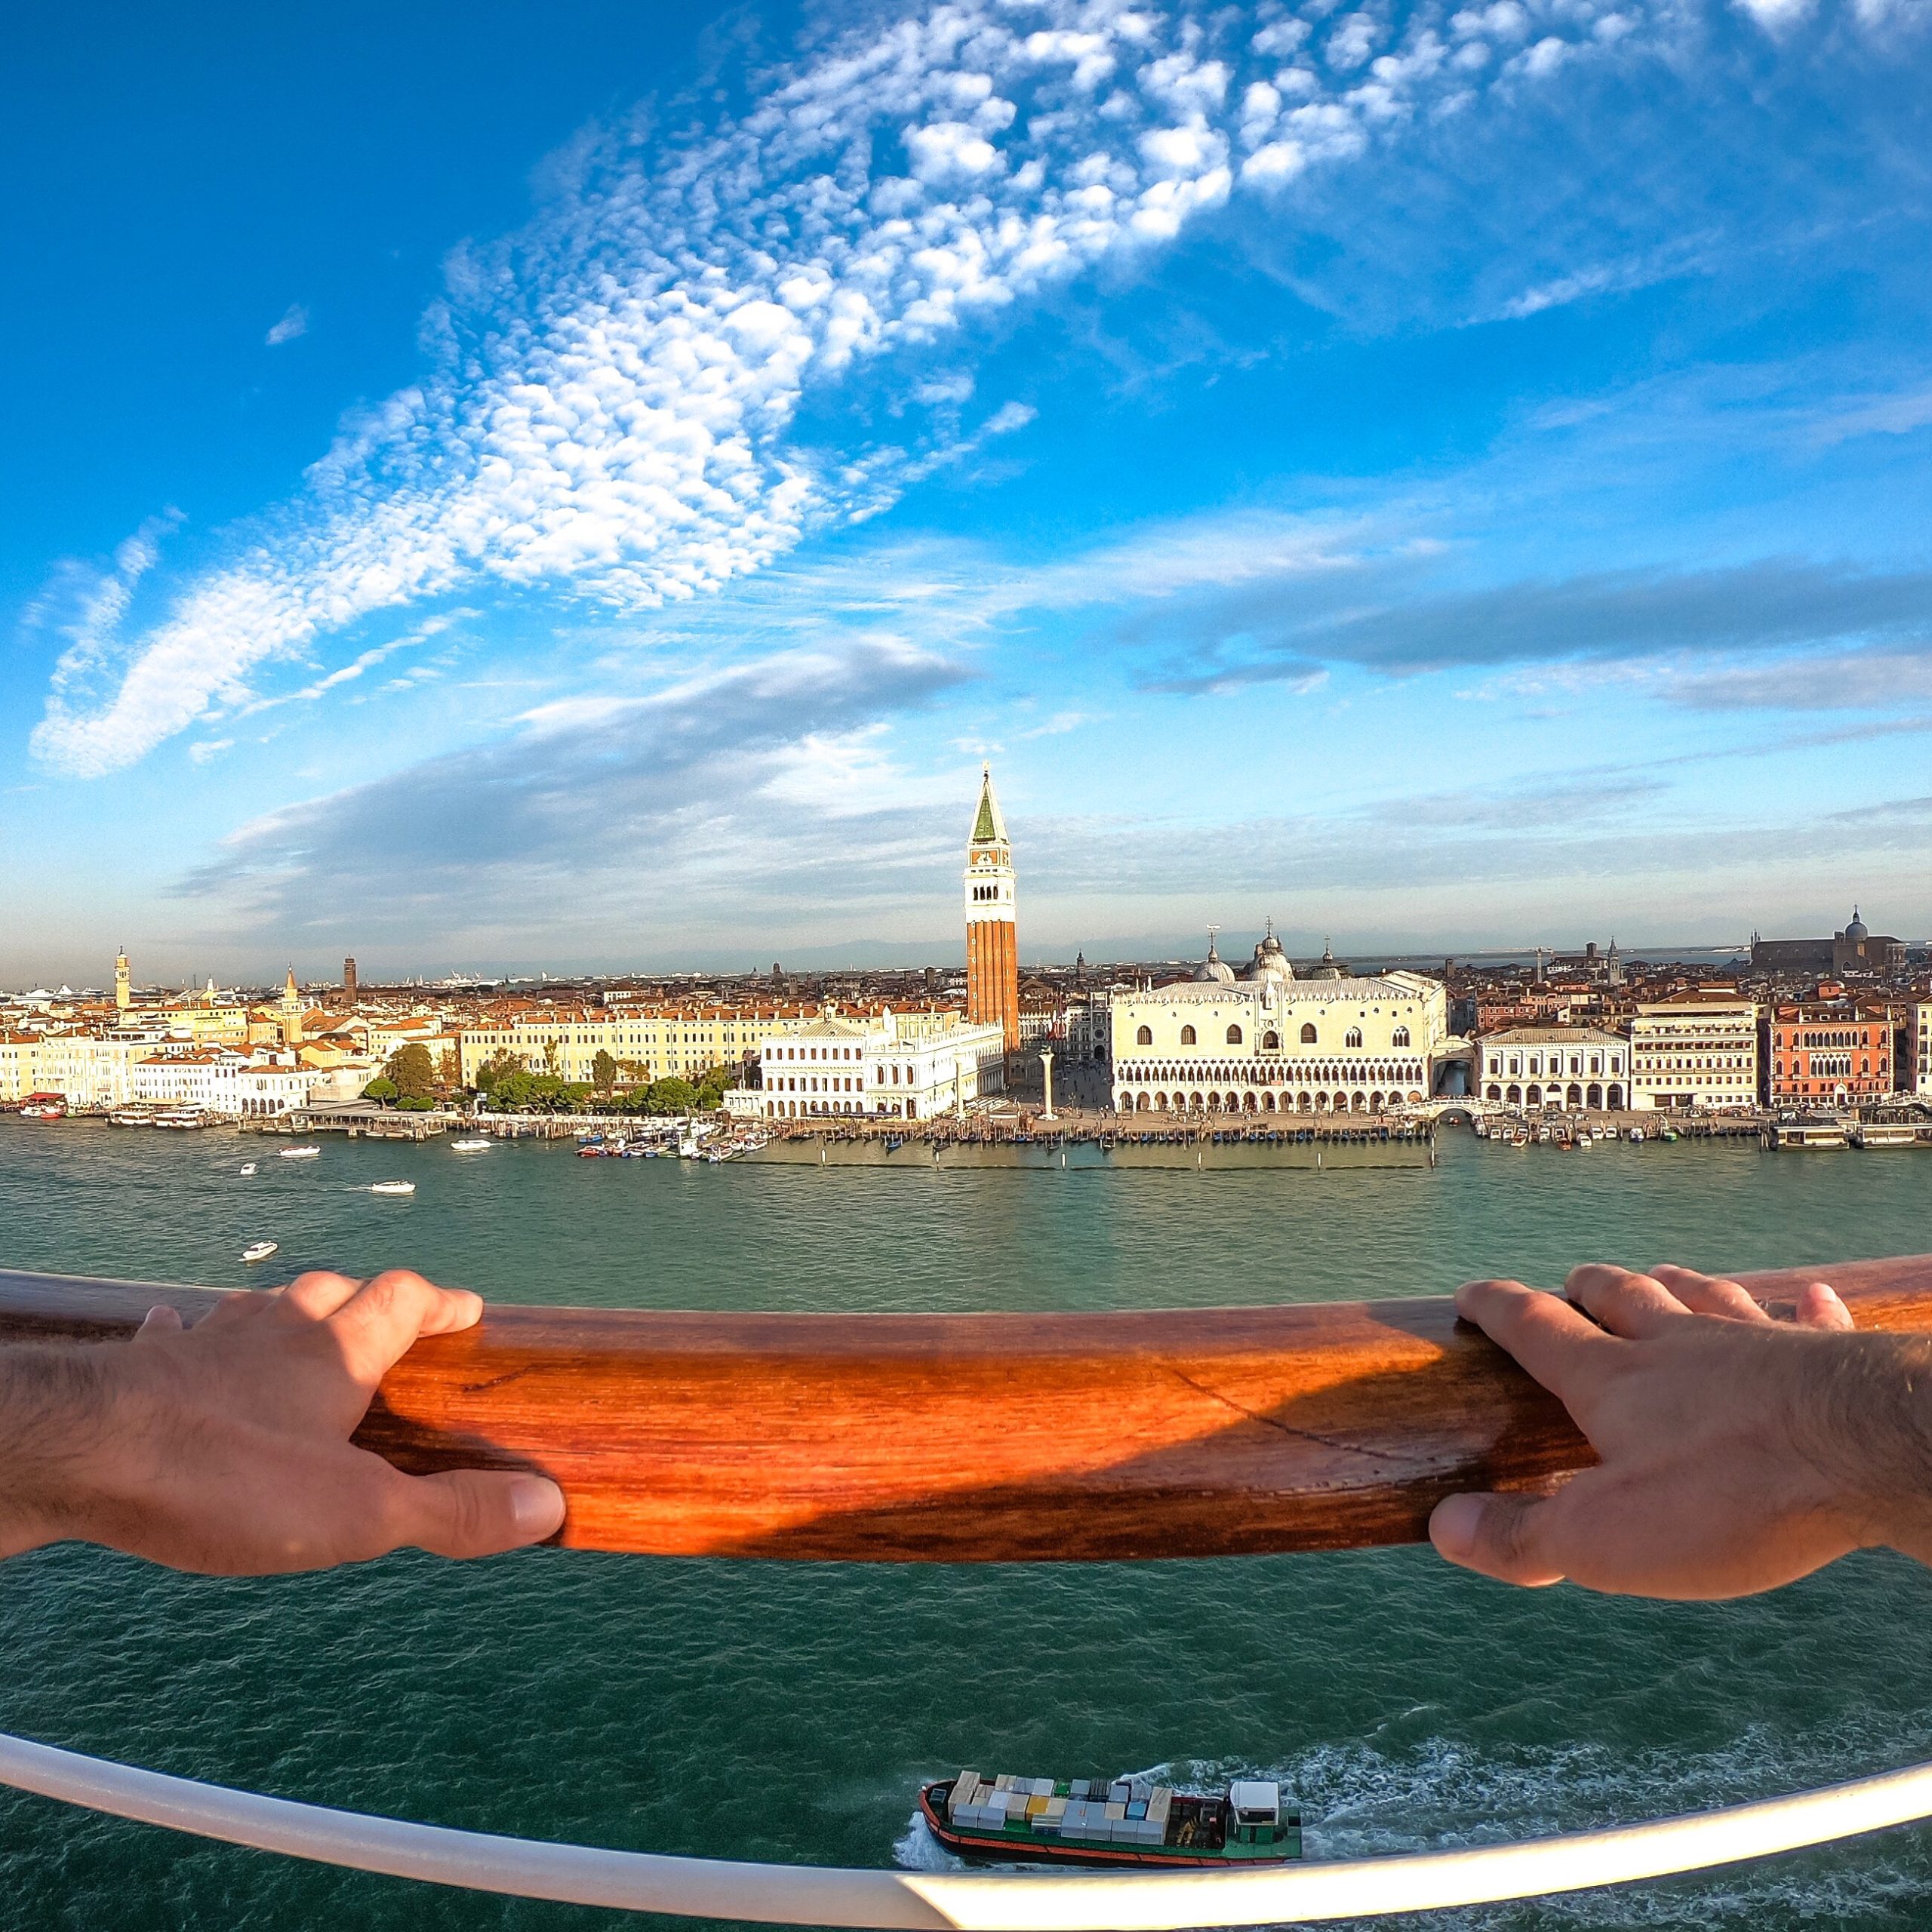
(1738, 1453)
(224, 1447)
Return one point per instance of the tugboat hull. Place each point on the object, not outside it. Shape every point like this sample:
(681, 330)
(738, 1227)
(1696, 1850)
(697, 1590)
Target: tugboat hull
(1015, 1845)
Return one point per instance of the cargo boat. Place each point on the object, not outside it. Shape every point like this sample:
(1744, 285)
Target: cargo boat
(1110, 1821)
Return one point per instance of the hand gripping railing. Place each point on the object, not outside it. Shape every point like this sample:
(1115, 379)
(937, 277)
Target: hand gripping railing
(1172, 1433)
(973, 1438)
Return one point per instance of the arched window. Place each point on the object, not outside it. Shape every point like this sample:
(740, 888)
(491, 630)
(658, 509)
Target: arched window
(1352, 1038)
(1233, 1036)
(1399, 1037)
(1187, 1036)
(1145, 1037)
(1308, 1033)
(1271, 1043)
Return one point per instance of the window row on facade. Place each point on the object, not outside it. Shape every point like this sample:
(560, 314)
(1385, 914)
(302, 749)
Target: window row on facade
(1271, 1041)
(1308, 1100)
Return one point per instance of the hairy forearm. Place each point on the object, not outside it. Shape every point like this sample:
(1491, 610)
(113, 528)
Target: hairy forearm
(54, 1404)
(1871, 1435)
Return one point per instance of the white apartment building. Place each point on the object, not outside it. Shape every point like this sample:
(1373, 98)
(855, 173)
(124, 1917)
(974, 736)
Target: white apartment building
(1268, 1042)
(202, 1077)
(1554, 1066)
(1914, 1063)
(222, 1081)
(898, 1066)
(1698, 1050)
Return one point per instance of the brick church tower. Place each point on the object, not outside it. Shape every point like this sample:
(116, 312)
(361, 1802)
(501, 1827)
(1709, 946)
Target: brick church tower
(993, 950)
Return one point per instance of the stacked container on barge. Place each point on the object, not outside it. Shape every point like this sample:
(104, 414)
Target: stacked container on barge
(1116, 1821)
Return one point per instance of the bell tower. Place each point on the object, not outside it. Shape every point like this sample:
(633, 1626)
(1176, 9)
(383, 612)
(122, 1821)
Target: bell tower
(123, 990)
(992, 949)
(288, 1014)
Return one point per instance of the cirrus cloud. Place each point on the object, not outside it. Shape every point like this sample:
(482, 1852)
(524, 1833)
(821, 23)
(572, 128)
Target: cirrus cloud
(610, 410)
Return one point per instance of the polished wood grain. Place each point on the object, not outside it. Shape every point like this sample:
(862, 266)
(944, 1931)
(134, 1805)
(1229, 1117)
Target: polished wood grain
(974, 1438)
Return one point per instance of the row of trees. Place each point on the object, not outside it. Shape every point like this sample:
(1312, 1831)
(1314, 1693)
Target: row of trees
(414, 1082)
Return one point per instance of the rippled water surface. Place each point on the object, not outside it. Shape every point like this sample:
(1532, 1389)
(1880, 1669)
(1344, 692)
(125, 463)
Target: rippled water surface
(788, 1711)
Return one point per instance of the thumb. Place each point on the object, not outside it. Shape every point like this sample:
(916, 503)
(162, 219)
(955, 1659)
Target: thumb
(1499, 1535)
(478, 1512)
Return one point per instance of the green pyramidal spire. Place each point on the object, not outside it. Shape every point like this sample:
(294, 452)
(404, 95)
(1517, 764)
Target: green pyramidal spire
(988, 826)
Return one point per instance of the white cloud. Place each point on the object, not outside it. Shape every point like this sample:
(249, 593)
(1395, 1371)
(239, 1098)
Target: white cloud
(1352, 43)
(609, 408)
(1895, 415)
(294, 322)
(1776, 17)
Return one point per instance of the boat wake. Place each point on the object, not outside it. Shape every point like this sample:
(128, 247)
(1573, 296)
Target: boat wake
(917, 1850)
(1357, 1801)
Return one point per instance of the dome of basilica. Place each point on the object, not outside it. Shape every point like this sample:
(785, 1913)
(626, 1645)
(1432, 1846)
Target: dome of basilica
(1214, 968)
(1270, 965)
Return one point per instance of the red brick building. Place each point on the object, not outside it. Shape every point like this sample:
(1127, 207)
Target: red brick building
(1827, 1053)
(992, 943)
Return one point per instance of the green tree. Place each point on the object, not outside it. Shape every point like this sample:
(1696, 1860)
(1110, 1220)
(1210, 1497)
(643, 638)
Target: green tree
(379, 1088)
(513, 1092)
(603, 1071)
(670, 1096)
(499, 1066)
(414, 1071)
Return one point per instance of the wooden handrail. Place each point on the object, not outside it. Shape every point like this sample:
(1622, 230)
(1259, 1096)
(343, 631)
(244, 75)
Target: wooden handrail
(974, 1438)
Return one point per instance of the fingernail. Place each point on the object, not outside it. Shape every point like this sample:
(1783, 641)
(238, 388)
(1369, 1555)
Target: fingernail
(536, 1508)
(1454, 1523)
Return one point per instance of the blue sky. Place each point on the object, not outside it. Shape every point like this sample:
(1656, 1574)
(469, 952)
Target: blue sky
(585, 487)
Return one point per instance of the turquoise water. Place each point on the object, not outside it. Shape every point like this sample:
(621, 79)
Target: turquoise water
(653, 1704)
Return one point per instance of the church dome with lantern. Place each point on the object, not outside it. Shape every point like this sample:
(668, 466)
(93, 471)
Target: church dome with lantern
(1270, 966)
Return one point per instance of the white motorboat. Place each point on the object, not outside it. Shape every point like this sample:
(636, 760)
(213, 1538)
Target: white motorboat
(247, 1167)
(393, 1187)
(259, 1250)
(300, 1153)
(468, 1146)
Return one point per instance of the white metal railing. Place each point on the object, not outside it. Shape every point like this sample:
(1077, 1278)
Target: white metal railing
(998, 1902)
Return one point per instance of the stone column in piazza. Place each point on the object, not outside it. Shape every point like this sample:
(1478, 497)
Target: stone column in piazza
(1046, 1073)
(992, 949)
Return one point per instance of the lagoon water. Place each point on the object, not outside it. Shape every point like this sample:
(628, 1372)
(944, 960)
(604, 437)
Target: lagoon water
(788, 1711)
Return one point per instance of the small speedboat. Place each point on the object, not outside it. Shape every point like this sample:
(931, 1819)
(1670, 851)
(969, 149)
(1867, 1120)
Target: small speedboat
(247, 1167)
(300, 1153)
(468, 1146)
(259, 1250)
(393, 1187)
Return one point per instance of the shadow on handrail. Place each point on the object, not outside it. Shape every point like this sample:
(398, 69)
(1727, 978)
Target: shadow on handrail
(1086, 1437)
